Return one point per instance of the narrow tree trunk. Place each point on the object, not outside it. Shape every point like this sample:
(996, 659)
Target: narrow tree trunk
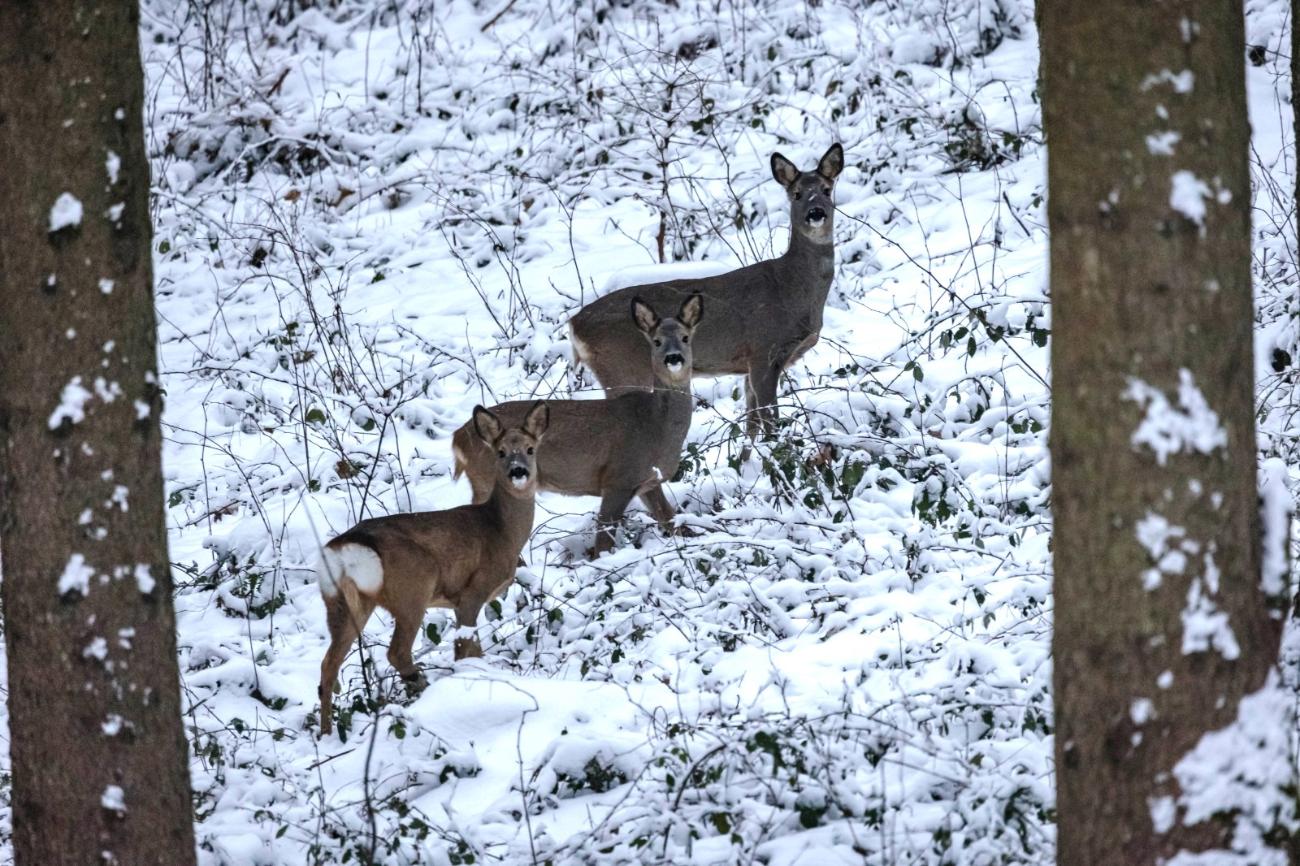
(1154, 491)
(98, 752)
(1295, 107)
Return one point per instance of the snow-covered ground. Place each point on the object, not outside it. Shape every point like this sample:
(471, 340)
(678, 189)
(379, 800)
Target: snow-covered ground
(371, 216)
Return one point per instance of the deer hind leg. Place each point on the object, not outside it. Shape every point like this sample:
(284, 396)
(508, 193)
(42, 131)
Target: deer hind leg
(760, 404)
(612, 505)
(399, 650)
(663, 511)
(345, 625)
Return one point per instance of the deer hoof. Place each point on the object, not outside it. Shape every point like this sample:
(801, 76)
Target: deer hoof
(415, 683)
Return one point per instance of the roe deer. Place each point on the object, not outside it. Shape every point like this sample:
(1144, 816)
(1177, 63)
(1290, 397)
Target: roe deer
(460, 558)
(618, 447)
(766, 315)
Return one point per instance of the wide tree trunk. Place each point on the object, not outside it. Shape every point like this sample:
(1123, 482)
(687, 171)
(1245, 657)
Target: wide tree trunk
(98, 752)
(1162, 622)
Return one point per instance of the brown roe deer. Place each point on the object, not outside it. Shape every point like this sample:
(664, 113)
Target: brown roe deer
(460, 558)
(765, 316)
(623, 446)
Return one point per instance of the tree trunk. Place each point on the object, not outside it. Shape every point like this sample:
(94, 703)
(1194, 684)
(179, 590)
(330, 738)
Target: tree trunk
(1295, 108)
(1154, 494)
(98, 752)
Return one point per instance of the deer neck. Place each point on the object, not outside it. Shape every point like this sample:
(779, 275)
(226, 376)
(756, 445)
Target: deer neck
(513, 514)
(808, 265)
(672, 400)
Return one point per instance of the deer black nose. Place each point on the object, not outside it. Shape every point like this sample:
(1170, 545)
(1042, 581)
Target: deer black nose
(816, 214)
(674, 359)
(518, 472)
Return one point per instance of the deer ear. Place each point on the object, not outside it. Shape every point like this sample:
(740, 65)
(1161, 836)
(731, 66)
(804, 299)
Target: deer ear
(645, 317)
(487, 425)
(832, 162)
(537, 419)
(692, 310)
(785, 171)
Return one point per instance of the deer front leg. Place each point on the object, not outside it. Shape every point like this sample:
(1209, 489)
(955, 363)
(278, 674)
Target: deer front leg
(467, 618)
(760, 403)
(612, 505)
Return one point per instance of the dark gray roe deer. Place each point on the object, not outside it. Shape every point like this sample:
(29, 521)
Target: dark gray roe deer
(619, 447)
(460, 558)
(763, 317)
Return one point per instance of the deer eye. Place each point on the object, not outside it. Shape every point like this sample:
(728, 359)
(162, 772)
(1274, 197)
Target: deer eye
(659, 342)
(826, 190)
(501, 453)
(686, 339)
(798, 196)
(530, 450)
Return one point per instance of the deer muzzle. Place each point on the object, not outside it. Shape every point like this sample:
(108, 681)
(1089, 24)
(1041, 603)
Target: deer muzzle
(518, 476)
(816, 216)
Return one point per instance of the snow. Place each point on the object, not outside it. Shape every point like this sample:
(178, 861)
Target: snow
(1276, 511)
(1187, 195)
(72, 404)
(1182, 81)
(144, 579)
(1162, 143)
(106, 286)
(65, 213)
(1240, 767)
(1155, 533)
(1163, 813)
(96, 649)
(1206, 627)
(1167, 429)
(113, 798)
(76, 575)
(113, 166)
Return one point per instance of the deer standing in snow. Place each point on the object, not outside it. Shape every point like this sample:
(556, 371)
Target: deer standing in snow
(623, 446)
(765, 315)
(460, 558)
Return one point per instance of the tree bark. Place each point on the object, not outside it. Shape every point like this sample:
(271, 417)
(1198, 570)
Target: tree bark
(100, 772)
(1144, 106)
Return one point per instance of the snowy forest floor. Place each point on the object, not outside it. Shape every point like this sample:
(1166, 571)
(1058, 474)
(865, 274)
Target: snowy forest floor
(372, 216)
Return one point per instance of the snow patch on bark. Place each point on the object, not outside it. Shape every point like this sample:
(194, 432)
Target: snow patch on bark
(1167, 429)
(1187, 195)
(76, 575)
(66, 212)
(72, 404)
(1275, 516)
(1243, 768)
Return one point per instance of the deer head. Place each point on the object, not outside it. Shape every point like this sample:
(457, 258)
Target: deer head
(670, 339)
(812, 208)
(515, 448)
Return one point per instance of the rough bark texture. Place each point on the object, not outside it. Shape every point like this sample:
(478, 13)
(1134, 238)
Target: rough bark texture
(1141, 292)
(99, 761)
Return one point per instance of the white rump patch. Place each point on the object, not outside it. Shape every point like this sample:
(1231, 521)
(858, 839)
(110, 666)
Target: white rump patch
(581, 352)
(356, 562)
